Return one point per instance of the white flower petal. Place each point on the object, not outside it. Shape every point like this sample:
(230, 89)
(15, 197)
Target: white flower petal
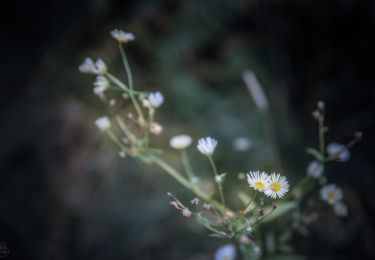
(207, 145)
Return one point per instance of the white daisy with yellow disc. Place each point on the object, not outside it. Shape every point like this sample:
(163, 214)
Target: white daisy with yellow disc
(331, 194)
(278, 187)
(258, 180)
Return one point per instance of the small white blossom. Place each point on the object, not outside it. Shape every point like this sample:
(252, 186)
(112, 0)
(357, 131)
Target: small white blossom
(101, 67)
(338, 151)
(100, 85)
(315, 169)
(88, 66)
(180, 141)
(155, 99)
(227, 252)
(258, 180)
(103, 123)
(194, 201)
(242, 144)
(122, 36)
(207, 206)
(278, 186)
(207, 145)
(340, 209)
(331, 194)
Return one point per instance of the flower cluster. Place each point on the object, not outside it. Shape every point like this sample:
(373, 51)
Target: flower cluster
(131, 133)
(90, 67)
(274, 185)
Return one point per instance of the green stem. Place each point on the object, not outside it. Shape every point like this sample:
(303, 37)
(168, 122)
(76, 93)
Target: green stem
(127, 67)
(252, 198)
(219, 184)
(179, 178)
(131, 86)
(115, 140)
(125, 129)
(321, 138)
(187, 165)
(117, 82)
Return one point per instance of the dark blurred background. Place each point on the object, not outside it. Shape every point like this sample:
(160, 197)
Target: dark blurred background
(65, 194)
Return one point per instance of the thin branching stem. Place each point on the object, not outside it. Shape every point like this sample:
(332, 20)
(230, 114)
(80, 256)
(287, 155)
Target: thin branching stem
(184, 182)
(219, 183)
(187, 165)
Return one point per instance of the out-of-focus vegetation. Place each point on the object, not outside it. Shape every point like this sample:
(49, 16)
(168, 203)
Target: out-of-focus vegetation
(64, 192)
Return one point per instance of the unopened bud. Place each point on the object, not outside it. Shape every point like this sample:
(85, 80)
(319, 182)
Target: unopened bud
(321, 105)
(112, 102)
(174, 204)
(358, 135)
(155, 128)
(186, 213)
(122, 153)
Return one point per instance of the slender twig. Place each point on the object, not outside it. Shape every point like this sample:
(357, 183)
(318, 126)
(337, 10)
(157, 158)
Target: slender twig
(219, 183)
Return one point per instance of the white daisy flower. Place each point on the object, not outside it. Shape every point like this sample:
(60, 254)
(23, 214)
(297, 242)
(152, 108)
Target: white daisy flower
(331, 194)
(88, 66)
(258, 181)
(207, 145)
(180, 141)
(100, 85)
(122, 36)
(338, 151)
(155, 99)
(278, 186)
(340, 209)
(103, 123)
(227, 252)
(315, 169)
(101, 67)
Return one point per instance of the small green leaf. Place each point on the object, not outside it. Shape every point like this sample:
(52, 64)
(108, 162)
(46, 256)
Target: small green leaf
(243, 197)
(281, 210)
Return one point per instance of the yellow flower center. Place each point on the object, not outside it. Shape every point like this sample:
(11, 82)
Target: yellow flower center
(226, 257)
(260, 185)
(276, 186)
(331, 195)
